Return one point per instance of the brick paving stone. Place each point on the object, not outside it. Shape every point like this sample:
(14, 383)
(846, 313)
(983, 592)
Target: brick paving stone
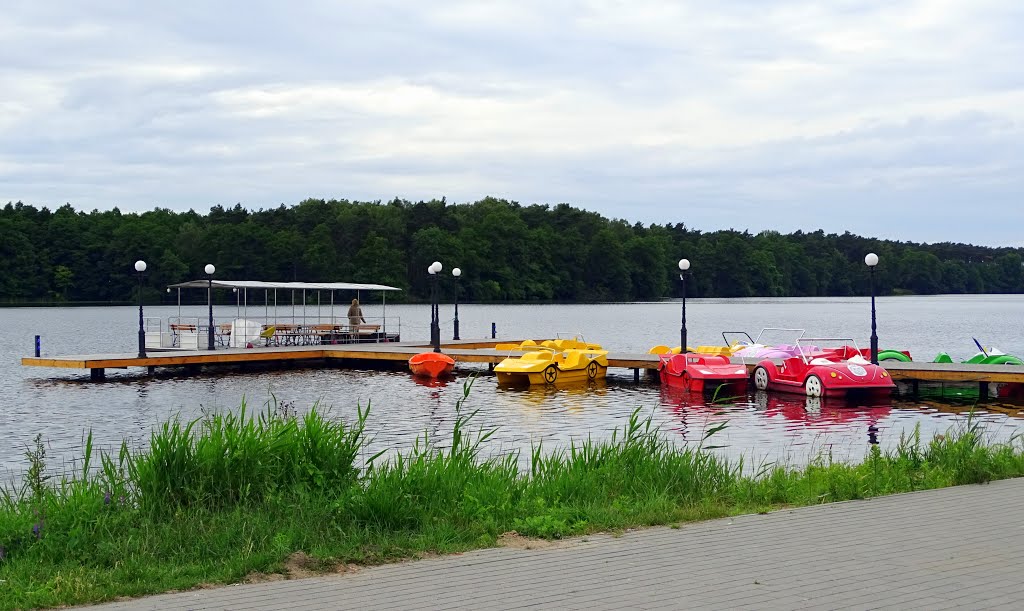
(953, 548)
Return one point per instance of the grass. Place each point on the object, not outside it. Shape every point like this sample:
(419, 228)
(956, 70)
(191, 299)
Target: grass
(227, 497)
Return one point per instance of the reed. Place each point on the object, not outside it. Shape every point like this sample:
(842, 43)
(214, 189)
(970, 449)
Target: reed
(242, 458)
(220, 499)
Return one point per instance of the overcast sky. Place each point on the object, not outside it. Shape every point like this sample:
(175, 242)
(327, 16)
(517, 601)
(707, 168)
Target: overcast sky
(885, 118)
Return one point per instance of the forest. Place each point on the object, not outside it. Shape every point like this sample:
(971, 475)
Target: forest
(507, 252)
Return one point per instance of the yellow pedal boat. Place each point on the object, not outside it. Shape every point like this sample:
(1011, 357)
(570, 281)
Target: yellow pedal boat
(550, 365)
(561, 343)
(708, 350)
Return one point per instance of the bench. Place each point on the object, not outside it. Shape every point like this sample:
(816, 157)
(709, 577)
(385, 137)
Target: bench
(322, 333)
(361, 332)
(190, 331)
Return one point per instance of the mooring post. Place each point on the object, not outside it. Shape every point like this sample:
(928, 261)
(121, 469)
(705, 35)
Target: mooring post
(97, 375)
(915, 387)
(494, 330)
(37, 346)
(636, 375)
(983, 391)
(152, 370)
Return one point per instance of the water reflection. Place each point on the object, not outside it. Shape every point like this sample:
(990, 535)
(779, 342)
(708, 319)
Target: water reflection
(795, 429)
(761, 427)
(819, 411)
(571, 399)
(431, 382)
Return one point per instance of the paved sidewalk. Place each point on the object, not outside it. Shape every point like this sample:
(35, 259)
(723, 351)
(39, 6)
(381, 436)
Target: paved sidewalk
(943, 549)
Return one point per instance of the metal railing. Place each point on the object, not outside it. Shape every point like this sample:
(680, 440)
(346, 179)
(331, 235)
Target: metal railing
(193, 332)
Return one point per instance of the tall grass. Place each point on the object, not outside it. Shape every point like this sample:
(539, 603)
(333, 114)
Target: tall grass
(239, 458)
(226, 496)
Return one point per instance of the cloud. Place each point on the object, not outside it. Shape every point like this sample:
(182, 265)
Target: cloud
(890, 119)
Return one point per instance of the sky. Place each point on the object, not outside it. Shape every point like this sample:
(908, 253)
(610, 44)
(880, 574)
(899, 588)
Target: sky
(897, 119)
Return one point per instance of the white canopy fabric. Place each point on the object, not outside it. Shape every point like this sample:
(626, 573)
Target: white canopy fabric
(259, 284)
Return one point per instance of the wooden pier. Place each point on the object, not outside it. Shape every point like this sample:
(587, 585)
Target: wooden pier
(470, 351)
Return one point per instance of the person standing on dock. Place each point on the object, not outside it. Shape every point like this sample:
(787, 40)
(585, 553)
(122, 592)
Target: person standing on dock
(355, 314)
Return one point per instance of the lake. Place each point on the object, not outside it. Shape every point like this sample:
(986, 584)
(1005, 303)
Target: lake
(63, 404)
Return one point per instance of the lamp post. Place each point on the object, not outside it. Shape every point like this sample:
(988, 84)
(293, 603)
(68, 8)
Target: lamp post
(435, 315)
(684, 264)
(871, 260)
(140, 267)
(209, 301)
(457, 273)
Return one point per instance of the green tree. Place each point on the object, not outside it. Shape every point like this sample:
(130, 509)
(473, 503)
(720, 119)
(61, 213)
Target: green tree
(63, 279)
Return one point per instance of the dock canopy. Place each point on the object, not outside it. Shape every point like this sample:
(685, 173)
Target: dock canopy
(259, 284)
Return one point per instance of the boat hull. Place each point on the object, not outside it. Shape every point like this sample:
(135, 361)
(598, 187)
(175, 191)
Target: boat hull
(542, 378)
(431, 364)
(730, 385)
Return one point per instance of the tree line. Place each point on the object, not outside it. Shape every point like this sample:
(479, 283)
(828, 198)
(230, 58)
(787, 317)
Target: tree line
(507, 252)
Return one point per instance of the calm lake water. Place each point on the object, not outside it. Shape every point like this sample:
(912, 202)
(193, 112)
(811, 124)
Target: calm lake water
(63, 404)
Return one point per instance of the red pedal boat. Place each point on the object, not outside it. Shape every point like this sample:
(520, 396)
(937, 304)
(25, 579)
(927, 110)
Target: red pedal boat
(431, 364)
(820, 373)
(698, 372)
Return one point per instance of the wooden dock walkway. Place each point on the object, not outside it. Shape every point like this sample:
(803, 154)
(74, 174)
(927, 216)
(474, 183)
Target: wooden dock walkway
(470, 351)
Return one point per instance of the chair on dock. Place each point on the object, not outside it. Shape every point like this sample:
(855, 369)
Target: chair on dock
(223, 333)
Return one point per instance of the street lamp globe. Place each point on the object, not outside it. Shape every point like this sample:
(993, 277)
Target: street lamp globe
(437, 267)
(140, 266)
(430, 270)
(456, 272)
(684, 264)
(871, 259)
(210, 268)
